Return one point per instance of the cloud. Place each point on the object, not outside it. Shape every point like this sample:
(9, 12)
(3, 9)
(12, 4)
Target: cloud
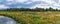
(58, 1)
(3, 7)
(40, 6)
(27, 2)
(35, 0)
(10, 0)
(31, 3)
(21, 1)
(44, 6)
(50, 3)
(46, 1)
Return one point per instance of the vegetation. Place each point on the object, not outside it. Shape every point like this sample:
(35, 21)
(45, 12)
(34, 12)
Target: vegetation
(33, 16)
(34, 10)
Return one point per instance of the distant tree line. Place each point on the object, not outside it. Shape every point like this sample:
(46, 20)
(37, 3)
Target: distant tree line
(28, 9)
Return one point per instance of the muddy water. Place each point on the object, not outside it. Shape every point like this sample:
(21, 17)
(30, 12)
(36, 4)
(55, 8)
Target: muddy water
(6, 20)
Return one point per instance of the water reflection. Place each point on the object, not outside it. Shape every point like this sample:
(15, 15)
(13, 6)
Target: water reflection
(6, 20)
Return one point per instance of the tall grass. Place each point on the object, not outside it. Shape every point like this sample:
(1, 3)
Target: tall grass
(33, 17)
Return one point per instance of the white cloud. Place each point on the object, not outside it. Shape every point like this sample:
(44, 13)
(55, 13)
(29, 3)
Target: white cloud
(56, 4)
(47, 1)
(43, 6)
(58, 1)
(40, 6)
(35, 0)
(18, 6)
(3, 7)
(51, 3)
(28, 2)
(9, 0)
(21, 1)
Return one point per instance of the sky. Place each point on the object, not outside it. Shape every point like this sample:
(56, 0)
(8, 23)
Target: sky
(4, 4)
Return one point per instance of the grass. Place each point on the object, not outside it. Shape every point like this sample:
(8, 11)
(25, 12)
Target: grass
(34, 17)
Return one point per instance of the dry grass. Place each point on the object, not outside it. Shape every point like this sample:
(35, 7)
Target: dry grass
(34, 17)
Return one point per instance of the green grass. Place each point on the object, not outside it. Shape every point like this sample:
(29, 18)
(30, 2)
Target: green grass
(34, 17)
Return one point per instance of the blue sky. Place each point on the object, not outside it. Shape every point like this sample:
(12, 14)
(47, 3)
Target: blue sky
(4, 4)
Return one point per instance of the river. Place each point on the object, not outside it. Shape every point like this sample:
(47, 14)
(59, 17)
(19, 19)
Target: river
(6, 20)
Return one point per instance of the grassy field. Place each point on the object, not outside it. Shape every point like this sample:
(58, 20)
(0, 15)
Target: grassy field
(34, 17)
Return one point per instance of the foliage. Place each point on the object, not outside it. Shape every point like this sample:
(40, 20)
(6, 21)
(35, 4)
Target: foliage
(33, 17)
(33, 10)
